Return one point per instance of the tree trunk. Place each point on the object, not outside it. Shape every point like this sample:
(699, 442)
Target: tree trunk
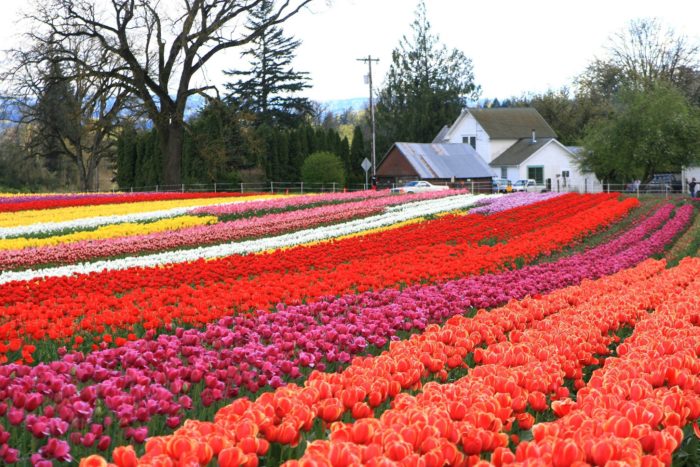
(92, 183)
(171, 143)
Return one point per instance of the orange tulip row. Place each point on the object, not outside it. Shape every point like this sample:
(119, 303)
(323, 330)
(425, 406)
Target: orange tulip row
(632, 410)
(455, 423)
(450, 420)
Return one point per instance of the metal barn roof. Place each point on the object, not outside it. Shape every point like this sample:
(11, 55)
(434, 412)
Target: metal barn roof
(444, 160)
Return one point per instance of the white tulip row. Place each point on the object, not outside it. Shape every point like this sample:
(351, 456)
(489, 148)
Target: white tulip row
(397, 214)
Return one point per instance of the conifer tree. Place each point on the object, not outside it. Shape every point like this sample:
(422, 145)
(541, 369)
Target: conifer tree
(357, 155)
(426, 87)
(268, 88)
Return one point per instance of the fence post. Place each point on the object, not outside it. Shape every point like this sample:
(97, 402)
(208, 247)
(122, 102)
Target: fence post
(302, 188)
(183, 188)
(156, 188)
(214, 187)
(272, 187)
(472, 186)
(333, 187)
(241, 187)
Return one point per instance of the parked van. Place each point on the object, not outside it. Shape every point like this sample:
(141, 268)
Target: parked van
(525, 185)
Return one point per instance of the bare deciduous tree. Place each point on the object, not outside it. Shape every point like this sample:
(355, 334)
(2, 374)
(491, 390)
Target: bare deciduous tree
(158, 48)
(648, 51)
(69, 111)
(641, 55)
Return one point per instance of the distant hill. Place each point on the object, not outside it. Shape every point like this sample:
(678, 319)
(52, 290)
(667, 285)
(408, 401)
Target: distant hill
(338, 106)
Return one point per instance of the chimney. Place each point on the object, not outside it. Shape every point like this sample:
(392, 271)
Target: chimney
(534, 139)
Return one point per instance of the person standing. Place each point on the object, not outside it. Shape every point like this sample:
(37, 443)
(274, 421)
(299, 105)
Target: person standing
(692, 186)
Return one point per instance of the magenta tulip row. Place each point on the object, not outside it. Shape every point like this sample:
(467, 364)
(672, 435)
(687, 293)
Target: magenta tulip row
(76, 397)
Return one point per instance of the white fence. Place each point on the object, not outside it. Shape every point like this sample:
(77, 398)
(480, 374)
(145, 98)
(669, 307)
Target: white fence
(475, 187)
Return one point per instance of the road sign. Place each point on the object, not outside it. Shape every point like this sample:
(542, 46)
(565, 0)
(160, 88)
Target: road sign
(366, 164)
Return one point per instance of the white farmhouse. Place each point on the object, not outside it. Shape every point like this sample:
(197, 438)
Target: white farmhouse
(517, 143)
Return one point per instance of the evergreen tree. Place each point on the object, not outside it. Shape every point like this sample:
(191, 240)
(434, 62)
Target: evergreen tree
(344, 154)
(126, 157)
(357, 155)
(55, 113)
(426, 87)
(267, 89)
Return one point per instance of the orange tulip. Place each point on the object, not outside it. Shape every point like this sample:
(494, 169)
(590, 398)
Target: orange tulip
(537, 401)
(93, 461)
(125, 456)
(565, 453)
(178, 446)
(231, 457)
(155, 446)
(603, 451)
(398, 450)
(361, 410)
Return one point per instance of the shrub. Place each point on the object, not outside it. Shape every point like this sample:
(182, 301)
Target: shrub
(323, 167)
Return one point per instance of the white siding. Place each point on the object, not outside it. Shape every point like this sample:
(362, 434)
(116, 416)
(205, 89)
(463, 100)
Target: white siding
(467, 126)
(499, 146)
(555, 159)
(513, 174)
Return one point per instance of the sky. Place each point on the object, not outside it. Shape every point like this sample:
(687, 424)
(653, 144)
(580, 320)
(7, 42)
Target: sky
(515, 46)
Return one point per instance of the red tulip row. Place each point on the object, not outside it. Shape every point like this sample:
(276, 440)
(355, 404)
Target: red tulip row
(444, 422)
(436, 250)
(632, 410)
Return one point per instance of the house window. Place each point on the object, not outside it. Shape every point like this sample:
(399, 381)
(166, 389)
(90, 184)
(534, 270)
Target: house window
(504, 172)
(536, 173)
(471, 140)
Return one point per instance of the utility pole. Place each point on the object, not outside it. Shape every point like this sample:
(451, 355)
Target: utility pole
(369, 61)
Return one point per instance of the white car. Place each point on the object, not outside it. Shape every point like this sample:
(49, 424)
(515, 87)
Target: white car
(419, 186)
(525, 185)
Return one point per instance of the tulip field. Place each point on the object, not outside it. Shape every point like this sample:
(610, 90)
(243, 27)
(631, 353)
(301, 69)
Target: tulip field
(345, 329)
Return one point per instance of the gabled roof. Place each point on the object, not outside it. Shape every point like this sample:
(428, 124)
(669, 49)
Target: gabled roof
(443, 160)
(441, 136)
(512, 123)
(522, 150)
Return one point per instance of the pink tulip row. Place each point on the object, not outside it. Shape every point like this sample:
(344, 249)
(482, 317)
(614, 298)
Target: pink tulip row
(270, 224)
(230, 209)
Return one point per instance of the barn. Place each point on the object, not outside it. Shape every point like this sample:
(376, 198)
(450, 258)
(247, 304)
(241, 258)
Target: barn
(455, 164)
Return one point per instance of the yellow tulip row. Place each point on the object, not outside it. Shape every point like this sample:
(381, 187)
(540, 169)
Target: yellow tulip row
(109, 231)
(14, 219)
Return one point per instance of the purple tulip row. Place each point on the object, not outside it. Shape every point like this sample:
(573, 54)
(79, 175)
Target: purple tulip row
(514, 200)
(79, 396)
